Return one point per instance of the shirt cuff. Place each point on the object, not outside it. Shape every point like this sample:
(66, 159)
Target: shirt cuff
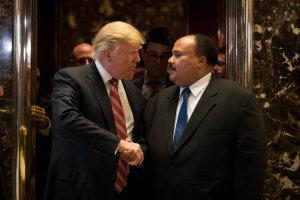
(116, 151)
(45, 131)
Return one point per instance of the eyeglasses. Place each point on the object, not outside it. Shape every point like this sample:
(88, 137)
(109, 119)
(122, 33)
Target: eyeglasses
(83, 61)
(163, 57)
(220, 63)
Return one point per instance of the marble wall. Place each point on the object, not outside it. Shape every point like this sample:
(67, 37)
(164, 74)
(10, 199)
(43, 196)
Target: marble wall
(277, 85)
(276, 70)
(6, 99)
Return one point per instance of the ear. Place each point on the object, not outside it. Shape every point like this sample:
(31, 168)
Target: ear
(106, 55)
(202, 60)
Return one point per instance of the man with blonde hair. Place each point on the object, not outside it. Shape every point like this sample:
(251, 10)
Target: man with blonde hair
(97, 142)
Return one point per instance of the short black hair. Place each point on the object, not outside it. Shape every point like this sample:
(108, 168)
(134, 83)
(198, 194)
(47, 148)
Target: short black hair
(159, 35)
(206, 47)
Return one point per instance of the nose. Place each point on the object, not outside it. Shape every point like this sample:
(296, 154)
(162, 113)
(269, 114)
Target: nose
(158, 60)
(138, 58)
(170, 60)
(215, 69)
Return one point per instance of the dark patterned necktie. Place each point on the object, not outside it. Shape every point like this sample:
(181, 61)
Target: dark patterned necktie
(122, 171)
(152, 88)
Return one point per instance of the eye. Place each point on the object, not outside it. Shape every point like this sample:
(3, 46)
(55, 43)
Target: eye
(165, 56)
(133, 52)
(177, 54)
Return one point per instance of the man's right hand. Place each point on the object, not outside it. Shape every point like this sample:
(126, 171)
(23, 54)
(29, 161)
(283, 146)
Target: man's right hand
(131, 152)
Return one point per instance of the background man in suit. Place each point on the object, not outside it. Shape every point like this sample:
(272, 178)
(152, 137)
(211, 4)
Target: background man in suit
(87, 119)
(155, 53)
(221, 154)
(81, 55)
(41, 114)
(220, 67)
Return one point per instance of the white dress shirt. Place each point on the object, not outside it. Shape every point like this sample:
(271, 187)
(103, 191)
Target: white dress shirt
(123, 97)
(197, 90)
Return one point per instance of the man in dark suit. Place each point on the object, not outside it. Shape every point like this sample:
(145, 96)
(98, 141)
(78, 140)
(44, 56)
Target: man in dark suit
(221, 153)
(155, 53)
(81, 55)
(87, 119)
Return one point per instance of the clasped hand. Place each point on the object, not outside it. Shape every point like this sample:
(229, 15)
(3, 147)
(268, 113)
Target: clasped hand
(131, 152)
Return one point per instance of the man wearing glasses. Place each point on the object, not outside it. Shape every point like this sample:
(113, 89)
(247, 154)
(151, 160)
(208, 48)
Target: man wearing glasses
(155, 54)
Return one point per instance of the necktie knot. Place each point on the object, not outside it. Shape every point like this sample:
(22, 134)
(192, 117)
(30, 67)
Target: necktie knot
(153, 83)
(186, 92)
(113, 82)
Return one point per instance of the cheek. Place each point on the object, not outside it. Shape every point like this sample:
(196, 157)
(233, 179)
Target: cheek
(185, 68)
(188, 72)
(124, 62)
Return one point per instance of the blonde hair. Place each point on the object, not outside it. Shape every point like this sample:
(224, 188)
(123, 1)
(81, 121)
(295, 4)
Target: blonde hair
(113, 34)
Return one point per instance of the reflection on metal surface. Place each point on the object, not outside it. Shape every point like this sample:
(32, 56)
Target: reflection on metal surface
(239, 41)
(23, 131)
(7, 115)
(7, 46)
(22, 153)
(24, 147)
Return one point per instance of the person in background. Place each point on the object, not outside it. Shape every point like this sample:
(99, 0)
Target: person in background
(40, 112)
(155, 53)
(41, 115)
(38, 115)
(42, 120)
(98, 147)
(81, 55)
(220, 67)
(205, 136)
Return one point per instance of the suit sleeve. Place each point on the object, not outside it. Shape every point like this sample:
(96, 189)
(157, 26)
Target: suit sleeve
(69, 121)
(251, 151)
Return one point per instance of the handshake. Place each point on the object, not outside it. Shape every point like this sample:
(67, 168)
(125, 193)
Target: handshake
(131, 152)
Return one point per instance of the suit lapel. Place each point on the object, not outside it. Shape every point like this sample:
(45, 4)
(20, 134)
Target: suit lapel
(169, 116)
(98, 88)
(204, 106)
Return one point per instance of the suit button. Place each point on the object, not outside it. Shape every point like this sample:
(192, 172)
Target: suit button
(172, 168)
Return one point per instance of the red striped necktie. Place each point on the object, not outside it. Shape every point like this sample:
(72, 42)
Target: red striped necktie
(122, 171)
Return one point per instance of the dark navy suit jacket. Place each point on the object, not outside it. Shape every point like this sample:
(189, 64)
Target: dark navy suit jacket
(83, 162)
(222, 153)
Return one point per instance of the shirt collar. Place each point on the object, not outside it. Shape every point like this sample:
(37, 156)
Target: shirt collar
(102, 71)
(198, 87)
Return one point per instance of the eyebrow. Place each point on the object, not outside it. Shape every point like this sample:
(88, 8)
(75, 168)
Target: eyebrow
(175, 51)
(164, 52)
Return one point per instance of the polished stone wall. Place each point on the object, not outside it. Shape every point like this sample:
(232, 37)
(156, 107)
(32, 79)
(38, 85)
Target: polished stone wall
(276, 70)
(277, 85)
(81, 23)
(6, 99)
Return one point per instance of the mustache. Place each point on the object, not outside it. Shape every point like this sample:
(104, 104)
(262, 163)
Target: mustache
(170, 67)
